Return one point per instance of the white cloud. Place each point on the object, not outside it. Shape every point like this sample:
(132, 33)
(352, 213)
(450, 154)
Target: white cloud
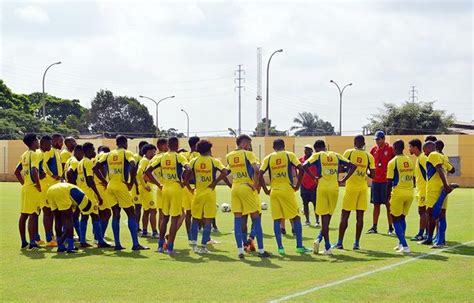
(32, 14)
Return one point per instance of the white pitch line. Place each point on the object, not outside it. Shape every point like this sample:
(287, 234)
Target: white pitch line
(352, 278)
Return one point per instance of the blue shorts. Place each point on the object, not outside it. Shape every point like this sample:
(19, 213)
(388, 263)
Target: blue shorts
(378, 193)
(308, 195)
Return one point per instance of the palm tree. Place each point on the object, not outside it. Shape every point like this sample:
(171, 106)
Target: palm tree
(309, 124)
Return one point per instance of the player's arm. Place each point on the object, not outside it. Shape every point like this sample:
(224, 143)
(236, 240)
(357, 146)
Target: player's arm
(222, 176)
(187, 176)
(18, 174)
(262, 182)
(90, 182)
(70, 177)
(98, 168)
(140, 178)
(133, 175)
(389, 191)
(35, 177)
(440, 171)
(300, 175)
(149, 173)
(306, 169)
(350, 168)
(226, 179)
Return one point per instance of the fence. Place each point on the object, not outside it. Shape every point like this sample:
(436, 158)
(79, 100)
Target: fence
(459, 148)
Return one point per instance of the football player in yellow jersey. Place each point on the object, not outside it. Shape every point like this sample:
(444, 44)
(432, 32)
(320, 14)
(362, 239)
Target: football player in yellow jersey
(121, 171)
(420, 185)
(436, 184)
(135, 190)
(187, 195)
(327, 164)
(66, 153)
(27, 174)
(400, 175)
(203, 171)
(153, 172)
(279, 165)
(105, 209)
(242, 164)
(147, 201)
(70, 172)
(355, 196)
(172, 165)
(65, 197)
(45, 147)
(86, 182)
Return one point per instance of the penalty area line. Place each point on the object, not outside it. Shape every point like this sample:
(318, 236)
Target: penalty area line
(367, 273)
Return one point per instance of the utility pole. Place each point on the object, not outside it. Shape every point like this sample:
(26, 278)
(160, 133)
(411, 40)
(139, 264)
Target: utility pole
(238, 80)
(259, 90)
(413, 93)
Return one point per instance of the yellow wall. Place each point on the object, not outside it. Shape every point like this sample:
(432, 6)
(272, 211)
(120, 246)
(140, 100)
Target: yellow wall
(461, 146)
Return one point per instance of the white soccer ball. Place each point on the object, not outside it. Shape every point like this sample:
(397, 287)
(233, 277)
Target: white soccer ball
(225, 207)
(264, 206)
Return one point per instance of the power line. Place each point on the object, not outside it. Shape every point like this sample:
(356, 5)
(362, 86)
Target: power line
(413, 95)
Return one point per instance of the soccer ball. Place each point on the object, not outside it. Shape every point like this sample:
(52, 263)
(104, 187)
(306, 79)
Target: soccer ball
(225, 207)
(264, 206)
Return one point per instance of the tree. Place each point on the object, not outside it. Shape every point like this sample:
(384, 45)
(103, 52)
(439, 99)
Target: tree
(410, 118)
(119, 114)
(311, 125)
(272, 131)
(171, 132)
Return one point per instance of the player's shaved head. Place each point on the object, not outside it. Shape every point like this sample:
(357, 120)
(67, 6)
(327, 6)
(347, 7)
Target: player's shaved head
(319, 145)
(193, 141)
(45, 143)
(173, 143)
(121, 141)
(162, 144)
(70, 143)
(241, 138)
(278, 144)
(103, 149)
(399, 146)
(439, 146)
(359, 141)
(414, 146)
(204, 147)
(148, 150)
(30, 140)
(78, 152)
(429, 147)
(89, 150)
(57, 141)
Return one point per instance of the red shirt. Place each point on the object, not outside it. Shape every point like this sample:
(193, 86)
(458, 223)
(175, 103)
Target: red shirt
(382, 156)
(308, 182)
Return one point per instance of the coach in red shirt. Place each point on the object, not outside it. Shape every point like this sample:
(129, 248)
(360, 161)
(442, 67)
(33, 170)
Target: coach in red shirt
(308, 186)
(383, 153)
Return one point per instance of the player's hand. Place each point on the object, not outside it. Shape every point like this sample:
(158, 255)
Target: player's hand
(212, 185)
(295, 188)
(148, 188)
(38, 187)
(341, 182)
(129, 186)
(42, 175)
(56, 177)
(160, 186)
(100, 200)
(104, 184)
(448, 189)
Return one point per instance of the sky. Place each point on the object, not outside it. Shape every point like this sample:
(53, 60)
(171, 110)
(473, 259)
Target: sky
(191, 49)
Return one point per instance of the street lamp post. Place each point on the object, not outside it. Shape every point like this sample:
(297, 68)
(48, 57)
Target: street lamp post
(156, 109)
(187, 117)
(43, 95)
(341, 91)
(267, 101)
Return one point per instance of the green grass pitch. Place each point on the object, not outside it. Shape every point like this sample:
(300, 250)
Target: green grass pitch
(108, 276)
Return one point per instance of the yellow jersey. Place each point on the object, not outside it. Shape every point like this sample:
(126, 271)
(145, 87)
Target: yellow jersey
(65, 155)
(29, 159)
(205, 169)
(142, 166)
(53, 165)
(154, 163)
(280, 165)
(84, 170)
(327, 165)
(191, 155)
(446, 164)
(433, 180)
(239, 163)
(420, 174)
(118, 165)
(363, 162)
(172, 166)
(401, 171)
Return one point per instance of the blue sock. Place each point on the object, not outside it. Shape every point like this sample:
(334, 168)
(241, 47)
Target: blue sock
(144, 232)
(420, 232)
(132, 226)
(103, 226)
(257, 231)
(443, 225)
(116, 230)
(70, 244)
(238, 231)
(206, 234)
(194, 230)
(33, 242)
(77, 227)
(356, 243)
(98, 231)
(161, 243)
(83, 230)
(400, 234)
(327, 244)
(170, 246)
(319, 237)
(61, 246)
(37, 237)
(49, 236)
(277, 231)
(253, 232)
(404, 225)
(244, 237)
(298, 232)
